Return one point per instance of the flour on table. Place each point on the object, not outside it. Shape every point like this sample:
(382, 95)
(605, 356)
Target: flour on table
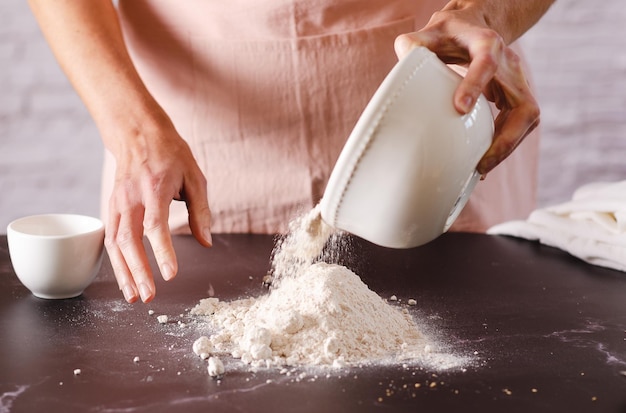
(316, 313)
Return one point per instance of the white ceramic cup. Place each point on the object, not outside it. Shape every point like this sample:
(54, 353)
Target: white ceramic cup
(56, 256)
(409, 165)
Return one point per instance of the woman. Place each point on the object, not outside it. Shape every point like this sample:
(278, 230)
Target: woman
(264, 96)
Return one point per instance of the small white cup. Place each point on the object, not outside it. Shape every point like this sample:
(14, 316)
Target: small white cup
(56, 256)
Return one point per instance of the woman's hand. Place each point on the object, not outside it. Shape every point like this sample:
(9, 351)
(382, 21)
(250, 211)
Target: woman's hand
(153, 167)
(461, 34)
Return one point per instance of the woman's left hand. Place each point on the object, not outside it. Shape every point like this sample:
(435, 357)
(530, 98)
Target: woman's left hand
(463, 37)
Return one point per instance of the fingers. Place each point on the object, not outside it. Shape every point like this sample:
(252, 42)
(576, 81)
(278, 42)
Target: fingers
(512, 126)
(123, 276)
(198, 208)
(154, 166)
(519, 111)
(124, 244)
(141, 206)
(155, 225)
(482, 54)
(492, 69)
(130, 243)
(128, 220)
(486, 56)
(200, 221)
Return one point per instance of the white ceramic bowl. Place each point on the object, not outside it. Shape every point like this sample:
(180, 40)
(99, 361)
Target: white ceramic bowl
(409, 166)
(56, 255)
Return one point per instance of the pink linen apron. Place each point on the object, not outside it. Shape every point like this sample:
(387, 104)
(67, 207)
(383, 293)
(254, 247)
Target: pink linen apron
(267, 92)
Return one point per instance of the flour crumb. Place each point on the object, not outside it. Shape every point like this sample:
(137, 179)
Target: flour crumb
(162, 319)
(150, 312)
(393, 298)
(136, 359)
(412, 302)
(339, 363)
(77, 372)
(202, 346)
(215, 367)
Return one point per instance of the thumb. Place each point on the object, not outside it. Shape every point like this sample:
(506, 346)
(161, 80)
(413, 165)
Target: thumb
(403, 45)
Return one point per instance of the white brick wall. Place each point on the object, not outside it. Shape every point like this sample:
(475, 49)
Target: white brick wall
(50, 153)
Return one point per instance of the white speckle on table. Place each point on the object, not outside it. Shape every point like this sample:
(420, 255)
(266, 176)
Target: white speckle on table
(136, 359)
(77, 372)
(162, 319)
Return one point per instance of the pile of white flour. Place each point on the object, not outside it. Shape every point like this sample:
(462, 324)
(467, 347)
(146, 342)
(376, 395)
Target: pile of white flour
(316, 314)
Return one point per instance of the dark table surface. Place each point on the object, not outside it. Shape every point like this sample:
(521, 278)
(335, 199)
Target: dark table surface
(548, 333)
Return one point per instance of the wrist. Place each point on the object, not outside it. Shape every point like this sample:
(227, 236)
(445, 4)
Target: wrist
(129, 126)
(509, 18)
(485, 13)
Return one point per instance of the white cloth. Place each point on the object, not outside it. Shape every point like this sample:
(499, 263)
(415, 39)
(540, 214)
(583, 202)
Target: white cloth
(592, 226)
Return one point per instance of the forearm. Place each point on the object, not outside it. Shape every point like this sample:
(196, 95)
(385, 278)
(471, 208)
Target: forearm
(509, 18)
(87, 41)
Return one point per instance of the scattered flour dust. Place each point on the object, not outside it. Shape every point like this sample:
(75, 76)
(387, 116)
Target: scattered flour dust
(316, 314)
